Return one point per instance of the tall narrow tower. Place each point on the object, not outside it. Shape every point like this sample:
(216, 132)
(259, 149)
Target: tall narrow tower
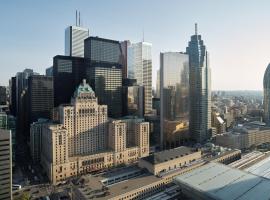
(266, 93)
(200, 89)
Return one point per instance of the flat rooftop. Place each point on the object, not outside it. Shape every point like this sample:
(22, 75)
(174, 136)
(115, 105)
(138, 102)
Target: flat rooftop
(217, 181)
(94, 189)
(167, 155)
(261, 168)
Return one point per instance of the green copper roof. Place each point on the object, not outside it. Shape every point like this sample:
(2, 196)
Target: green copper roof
(83, 88)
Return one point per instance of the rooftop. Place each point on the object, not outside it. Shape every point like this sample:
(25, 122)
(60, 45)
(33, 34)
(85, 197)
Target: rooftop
(167, 155)
(217, 181)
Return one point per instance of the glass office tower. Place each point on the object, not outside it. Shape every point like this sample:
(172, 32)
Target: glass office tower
(200, 89)
(104, 72)
(266, 93)
(140, 68)
(74, 40)
(174, 98)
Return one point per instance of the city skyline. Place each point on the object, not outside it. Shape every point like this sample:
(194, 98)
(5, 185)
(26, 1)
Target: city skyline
(232, 40)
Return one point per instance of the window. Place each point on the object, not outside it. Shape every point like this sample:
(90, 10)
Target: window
(60, 139)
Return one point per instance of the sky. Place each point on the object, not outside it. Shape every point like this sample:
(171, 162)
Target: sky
(236, 33)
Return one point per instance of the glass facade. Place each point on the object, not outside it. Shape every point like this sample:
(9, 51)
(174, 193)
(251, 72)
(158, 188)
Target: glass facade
(200, 90)
(68, 72)
(174, 88)
(140, 68)
(104, 72)
(266, 92)
(74, 40)
(135, 101)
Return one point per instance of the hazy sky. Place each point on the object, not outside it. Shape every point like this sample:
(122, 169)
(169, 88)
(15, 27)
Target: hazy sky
(236, 33)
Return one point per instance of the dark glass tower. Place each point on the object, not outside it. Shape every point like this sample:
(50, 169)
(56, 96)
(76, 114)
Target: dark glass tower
(68, 73)
(104, 72)
(40, 100)
(200, 89)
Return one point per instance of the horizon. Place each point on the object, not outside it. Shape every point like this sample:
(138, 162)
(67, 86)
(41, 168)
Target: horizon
(230, 56)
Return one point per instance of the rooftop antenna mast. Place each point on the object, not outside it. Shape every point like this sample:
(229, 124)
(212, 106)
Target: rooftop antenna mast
(79, 18)
(196, 29)
(143, 35)
(76, 17)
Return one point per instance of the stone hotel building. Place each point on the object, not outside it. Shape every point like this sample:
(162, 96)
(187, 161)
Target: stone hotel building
(84, 141)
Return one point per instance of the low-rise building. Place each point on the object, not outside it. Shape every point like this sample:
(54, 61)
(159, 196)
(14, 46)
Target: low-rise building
(165, 161)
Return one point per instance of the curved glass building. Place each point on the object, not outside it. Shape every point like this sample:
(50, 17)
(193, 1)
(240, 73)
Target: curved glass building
(266, 93)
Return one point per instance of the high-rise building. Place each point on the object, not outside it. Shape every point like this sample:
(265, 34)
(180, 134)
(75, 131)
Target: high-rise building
(140, 68)
(49, 71)
(3, 95)
(68, 73)
(12, 96)
(158, 84)
(266, 93)
(200, 89)
(40, 93)
(79, 143)
(74, 40)
(174, 98)
(5, 165)
(104, 72)
(124, 46)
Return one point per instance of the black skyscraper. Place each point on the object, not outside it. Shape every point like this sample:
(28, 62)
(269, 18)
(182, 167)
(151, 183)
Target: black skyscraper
(104, 72)
(68, 73)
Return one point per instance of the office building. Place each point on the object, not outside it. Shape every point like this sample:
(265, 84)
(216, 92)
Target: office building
(5, 165)
(36, 139)
(124, 46)
(104, 72)
(140, 68)
(74, 40)
(266, 93)
(158, 84)
(200, 89)
(78, 144)
(40, 93)
(174, 97)
(3, 95)
(49, 71)
(12, 96)
(68, 73)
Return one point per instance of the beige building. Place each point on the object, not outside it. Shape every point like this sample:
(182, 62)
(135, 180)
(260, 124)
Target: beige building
(243, 138)
(164, 161)
(79, 143)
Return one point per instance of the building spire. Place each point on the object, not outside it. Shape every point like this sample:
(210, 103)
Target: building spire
(196, 29)
(76, 17)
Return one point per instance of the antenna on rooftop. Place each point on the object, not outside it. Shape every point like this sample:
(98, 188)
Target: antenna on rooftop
(196, 29)
(79, 18)
(143, 35)
(76, 17)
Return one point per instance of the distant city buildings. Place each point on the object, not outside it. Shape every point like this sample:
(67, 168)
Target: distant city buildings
(140, 68)
(200, 89)
(174, 98)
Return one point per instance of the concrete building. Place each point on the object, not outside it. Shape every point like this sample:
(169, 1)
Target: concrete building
(5, 165)
(78, 144)
(140, 68)
(164, 161)
(244, 137)
(36, 139)
(218, 123)
(199, 89)
(216, 181)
